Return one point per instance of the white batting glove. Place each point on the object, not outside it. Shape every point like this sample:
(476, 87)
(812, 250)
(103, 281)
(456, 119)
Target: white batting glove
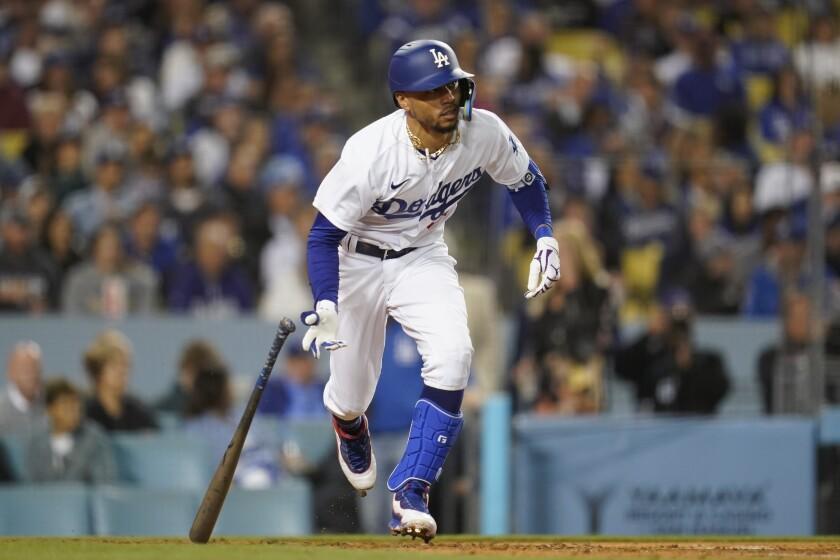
(545, 267)
(323, 323)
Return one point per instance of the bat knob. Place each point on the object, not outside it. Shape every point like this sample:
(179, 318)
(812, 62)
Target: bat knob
(286, 326)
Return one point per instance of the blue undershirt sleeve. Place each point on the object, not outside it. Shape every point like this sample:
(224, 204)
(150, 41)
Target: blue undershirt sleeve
(322, 259)
(531, 201)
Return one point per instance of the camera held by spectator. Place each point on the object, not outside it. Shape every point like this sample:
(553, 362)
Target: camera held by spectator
(669, 372)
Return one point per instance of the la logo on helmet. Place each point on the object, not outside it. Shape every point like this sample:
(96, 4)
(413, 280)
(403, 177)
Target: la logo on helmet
(440, 59)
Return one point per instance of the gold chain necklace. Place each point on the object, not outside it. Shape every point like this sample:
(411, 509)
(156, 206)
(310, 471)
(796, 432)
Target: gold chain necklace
(417, 143)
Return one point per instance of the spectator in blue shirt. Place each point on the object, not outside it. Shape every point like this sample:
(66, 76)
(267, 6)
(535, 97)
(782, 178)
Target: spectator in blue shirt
(760, 51)
(298, 392)
(211, 284)
(707, 86)
(787, 109)
(148, 243)
(780, 272)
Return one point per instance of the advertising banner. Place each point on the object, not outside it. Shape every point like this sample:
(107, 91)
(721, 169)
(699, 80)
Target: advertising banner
(664, 476)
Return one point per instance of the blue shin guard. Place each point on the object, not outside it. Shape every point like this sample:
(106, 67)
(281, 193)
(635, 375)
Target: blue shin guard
(432, 434)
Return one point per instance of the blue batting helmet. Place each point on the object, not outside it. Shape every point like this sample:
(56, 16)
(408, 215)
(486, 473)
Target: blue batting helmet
(425, 65)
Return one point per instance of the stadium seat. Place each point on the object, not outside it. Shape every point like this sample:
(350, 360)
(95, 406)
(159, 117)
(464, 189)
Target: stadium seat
(792, 25)
(12, 144)
(828, 429)
(313, 439)
(268, 430)
(285, 509)
(15, 447)
(169, 421)
(589, 45)
(759, 91)
(162, 461)
(142, 512)
(45, 509)
(620, 400)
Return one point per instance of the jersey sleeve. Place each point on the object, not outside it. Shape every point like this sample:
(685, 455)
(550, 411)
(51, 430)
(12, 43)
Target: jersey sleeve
(345, 194)
(508, 158)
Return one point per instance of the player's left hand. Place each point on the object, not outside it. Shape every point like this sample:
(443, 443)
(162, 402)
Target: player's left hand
(323, 324)
(545, 267)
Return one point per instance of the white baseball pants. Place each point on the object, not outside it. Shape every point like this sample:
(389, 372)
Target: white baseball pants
(420, 291)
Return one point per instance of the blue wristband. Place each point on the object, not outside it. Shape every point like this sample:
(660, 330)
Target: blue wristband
(544, 230)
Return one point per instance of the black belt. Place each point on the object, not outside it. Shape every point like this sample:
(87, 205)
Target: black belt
(381, 254)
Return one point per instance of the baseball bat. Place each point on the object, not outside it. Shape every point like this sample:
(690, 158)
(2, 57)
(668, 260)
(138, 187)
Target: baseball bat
(214, 497)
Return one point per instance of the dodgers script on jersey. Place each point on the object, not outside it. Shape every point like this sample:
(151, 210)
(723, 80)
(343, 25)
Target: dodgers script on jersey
(386, 192)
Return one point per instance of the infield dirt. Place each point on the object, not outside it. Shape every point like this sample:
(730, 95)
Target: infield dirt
(376, 548)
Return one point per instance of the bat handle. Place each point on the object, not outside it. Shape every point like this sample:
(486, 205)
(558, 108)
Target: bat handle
(284, 329)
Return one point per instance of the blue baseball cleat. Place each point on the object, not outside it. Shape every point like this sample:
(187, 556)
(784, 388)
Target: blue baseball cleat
(410, 512)
(355, 455)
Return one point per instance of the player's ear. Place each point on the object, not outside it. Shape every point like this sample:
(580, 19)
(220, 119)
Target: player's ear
(402, 101)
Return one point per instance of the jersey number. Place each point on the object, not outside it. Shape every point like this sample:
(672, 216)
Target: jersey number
(439, 58)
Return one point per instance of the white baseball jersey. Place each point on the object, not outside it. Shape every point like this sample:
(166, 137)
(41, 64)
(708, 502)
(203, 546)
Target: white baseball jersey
(384, 192)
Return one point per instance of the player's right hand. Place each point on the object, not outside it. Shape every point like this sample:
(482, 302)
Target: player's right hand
(323, 324)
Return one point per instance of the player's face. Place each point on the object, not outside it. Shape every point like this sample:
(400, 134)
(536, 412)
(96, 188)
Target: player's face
(438, 109)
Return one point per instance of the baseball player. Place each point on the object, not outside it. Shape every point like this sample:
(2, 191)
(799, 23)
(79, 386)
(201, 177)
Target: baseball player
(376, 250)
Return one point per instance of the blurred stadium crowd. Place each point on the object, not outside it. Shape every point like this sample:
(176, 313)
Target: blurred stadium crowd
(53, 431)
(160, 157)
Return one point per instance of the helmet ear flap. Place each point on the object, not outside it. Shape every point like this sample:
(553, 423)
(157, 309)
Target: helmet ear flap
(467, 87)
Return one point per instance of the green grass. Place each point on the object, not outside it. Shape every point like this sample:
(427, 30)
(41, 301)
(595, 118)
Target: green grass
(390, 548)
